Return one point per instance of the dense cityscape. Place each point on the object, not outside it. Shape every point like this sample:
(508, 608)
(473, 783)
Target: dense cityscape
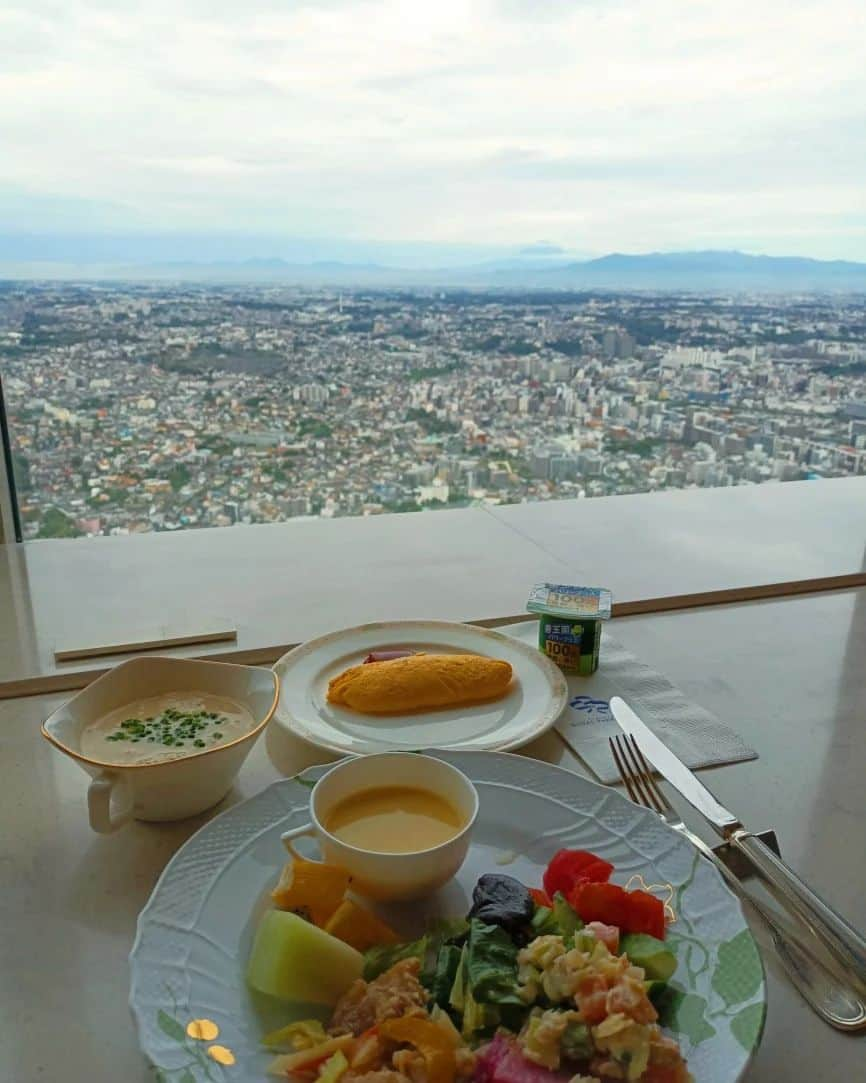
(138, 407)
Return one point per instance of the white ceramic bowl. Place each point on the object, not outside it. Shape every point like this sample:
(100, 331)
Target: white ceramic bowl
(390, 876)
(171, 789)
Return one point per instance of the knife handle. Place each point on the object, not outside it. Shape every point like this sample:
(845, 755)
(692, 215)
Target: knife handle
(845, 943)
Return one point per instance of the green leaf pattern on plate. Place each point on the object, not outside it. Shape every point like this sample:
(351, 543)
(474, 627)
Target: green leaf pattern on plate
(746, 1025)
(686, 1014)
(170, 1026)
(738, 975)
(195, 1051)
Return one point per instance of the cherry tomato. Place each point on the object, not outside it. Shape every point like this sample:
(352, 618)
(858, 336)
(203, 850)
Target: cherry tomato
(601, 902)
(646, 914)
(568, 868)
(540, 897)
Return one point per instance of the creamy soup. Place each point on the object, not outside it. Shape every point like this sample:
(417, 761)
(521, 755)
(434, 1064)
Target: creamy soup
(394, 820)
(165, 727)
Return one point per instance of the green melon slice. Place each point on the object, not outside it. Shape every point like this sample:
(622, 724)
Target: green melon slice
(296, 961)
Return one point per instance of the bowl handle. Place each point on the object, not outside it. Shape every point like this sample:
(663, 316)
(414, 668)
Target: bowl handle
(288, 837)
(99, 805)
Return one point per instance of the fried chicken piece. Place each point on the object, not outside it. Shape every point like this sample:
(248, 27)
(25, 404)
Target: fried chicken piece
(382, 1075)
(410, 1063)
(393, 994)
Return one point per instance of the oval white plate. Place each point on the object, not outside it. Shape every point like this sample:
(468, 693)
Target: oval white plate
(535, 700)
(194, 935)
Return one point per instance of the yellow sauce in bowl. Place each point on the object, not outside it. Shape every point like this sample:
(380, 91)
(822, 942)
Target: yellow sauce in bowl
(394, 820)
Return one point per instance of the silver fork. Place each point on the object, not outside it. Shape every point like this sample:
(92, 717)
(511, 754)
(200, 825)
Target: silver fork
(826, 994)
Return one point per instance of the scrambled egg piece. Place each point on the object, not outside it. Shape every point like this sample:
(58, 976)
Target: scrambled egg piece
(627, 1042)
(541, 1039)
(614, 1029)
(547, 966)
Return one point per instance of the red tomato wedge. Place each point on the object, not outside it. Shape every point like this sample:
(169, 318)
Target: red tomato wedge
(569, 868)
(607, 903)
(630, 911)
(582, 878)
(540, 897)
(646, 914)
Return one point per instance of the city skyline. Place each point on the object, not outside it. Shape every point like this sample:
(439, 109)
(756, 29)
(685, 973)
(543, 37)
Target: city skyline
(161, 407)
(595, 127)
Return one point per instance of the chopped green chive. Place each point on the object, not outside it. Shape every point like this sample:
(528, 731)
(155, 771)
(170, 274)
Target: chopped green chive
(172, 728)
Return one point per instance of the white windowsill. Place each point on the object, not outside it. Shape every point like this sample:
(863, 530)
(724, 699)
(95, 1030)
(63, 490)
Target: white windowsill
(285, 583)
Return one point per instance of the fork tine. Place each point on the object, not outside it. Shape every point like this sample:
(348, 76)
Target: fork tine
(641, 777)
(649, 777)
(624, 772)
(629, 772)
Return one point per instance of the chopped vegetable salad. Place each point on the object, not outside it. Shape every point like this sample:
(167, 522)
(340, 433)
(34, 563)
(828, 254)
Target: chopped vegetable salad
(535, 985)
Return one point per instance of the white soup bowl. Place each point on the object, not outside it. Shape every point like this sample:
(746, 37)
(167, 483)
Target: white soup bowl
(170, 789)
(390, 877)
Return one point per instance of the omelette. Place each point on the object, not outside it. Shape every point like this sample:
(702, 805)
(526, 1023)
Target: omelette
(419, 682)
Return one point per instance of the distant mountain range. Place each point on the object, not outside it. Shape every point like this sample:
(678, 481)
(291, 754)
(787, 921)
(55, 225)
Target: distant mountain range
(712, 269)
(698, 271)
(704, 271)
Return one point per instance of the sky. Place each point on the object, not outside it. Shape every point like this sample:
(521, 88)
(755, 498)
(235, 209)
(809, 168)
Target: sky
(476, 125)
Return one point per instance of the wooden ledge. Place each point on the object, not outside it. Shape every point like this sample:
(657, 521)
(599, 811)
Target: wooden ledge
(265, 656)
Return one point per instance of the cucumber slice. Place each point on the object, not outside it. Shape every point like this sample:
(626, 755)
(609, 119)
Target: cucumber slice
(643, 950)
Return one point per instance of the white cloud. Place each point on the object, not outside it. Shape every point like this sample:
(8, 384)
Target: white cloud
(601, 126)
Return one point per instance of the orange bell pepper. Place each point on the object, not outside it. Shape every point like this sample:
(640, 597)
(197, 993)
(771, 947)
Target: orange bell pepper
(358, 927)
(309, 1059)
(312, 889)
(429, 1039)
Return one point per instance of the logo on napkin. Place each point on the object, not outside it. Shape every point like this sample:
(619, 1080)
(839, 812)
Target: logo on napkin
(590, 711)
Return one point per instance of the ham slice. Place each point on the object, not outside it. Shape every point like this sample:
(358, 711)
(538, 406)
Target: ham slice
(502, 1062)
(488, 1059)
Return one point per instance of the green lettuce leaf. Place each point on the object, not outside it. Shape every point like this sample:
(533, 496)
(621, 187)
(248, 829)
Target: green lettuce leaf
(491, 965)
(382, 957)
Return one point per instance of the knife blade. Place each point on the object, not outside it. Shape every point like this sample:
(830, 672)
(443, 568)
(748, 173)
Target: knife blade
(673, 769)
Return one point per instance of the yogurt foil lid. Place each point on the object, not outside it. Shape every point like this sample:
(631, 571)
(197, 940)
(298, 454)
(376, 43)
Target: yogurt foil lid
(577, 603)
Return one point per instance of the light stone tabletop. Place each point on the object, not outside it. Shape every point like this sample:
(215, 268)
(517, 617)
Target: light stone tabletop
(789, 675)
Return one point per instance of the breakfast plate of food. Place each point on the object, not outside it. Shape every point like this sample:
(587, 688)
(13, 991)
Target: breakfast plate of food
(563, 934)
(402, 685)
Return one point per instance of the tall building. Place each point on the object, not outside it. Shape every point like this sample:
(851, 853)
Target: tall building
(617, 344)
(563, 467)
(312, 393)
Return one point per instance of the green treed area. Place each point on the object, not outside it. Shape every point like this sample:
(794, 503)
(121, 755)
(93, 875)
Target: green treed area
(57, 525)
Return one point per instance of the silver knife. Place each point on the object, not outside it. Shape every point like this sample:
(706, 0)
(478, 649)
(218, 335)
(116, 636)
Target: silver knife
(846, 944)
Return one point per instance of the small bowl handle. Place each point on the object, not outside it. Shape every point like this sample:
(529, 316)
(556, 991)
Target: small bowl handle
(99, 805)
(288, 837)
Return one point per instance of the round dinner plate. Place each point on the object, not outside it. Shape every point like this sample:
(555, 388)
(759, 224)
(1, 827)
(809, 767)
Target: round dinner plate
(535, 699)
(198, 1022)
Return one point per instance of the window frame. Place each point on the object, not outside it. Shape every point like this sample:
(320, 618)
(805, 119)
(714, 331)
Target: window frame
(10, 517)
